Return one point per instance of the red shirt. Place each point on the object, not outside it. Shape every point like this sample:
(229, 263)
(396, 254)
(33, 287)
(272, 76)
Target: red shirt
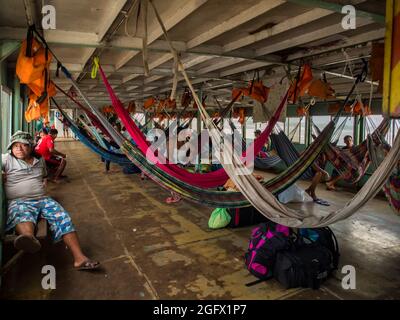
(44, 146)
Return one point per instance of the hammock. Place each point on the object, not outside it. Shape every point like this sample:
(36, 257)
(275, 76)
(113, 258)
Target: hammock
(391, 188)
(104, 153)
(267, 163)
(264, 201)
(209, 197)
(288, 153)
(353, 163)
(206, 180)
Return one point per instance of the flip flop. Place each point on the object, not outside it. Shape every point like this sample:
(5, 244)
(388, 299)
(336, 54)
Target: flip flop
(170, 200)
(27, 243)
(322, 202)
(88, 265)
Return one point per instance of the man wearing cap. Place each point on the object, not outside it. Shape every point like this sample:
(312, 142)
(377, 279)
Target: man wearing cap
(25, 186)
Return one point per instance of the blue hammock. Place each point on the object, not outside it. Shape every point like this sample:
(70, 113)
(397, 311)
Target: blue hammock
(105, 154)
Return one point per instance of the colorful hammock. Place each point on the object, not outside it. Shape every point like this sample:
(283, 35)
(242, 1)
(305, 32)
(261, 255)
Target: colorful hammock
(267, 163)
(92, 145)
(207, 180)
(353, 163)
(288, 153)
(209, 197)
(378, 151)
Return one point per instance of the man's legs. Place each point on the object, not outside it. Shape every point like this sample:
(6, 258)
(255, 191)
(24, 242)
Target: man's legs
(314, 183)
(62, 228)
(60, 169)
(72, 242)
(22, 215)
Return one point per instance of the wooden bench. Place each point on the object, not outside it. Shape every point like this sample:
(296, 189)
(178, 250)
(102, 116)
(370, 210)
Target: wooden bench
(41, 233)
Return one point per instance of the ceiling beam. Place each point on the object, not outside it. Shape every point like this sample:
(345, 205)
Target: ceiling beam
(349, 41)
(281, 27)
(113, 12)
(225, 26)
(174, 16)
(308, 37)
(336, 7)
(239, 19)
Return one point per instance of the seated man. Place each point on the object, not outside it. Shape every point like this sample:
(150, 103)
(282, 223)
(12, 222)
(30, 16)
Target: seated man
(330, 185)
(54, 159)
(25, 188)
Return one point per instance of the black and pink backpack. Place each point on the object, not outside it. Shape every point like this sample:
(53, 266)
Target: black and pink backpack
(266, 241)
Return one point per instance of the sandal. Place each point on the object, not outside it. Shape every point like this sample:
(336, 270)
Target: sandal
(27, 243)
(322, 202)
(88, 265)
(170, 200)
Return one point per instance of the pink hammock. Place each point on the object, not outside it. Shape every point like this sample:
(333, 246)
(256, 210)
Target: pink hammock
(203, 180)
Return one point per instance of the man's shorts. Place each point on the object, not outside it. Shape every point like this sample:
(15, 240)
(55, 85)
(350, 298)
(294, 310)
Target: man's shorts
(53, 162)
(21, 210)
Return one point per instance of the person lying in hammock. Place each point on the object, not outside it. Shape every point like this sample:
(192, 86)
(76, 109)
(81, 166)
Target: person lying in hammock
(54, 159)
(266, 148)
(336, 176)
(24, 176)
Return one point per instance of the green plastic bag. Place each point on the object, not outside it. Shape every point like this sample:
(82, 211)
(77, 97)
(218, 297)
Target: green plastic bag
(219, 218)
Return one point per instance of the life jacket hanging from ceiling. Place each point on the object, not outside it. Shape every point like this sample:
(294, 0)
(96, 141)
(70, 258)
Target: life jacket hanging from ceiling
(255, 90)
(33, 69)
(301, 84)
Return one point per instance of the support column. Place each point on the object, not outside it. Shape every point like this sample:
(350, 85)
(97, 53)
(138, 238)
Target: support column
(307, 131)
(356, 130)
(17, 112)
(198, 166)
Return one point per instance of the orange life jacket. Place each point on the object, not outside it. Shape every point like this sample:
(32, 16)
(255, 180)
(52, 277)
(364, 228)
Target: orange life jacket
(255, 90)
(131, 107)
(320, 89)
(150, 102)
(299, 88)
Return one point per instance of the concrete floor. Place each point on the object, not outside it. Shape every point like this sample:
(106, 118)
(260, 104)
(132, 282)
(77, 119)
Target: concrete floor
(151, 250)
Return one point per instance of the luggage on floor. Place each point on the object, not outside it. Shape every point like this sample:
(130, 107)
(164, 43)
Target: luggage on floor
(307, 266)
(266, 241)
(325, 237)
(247, 216)
(303, 259)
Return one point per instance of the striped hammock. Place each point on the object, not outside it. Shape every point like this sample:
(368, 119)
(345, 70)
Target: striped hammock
(353, 163)
(92, 145)
(209, 197)
(378, 149)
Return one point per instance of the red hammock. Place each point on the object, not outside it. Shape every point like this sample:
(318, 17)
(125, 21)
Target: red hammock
(206, 180)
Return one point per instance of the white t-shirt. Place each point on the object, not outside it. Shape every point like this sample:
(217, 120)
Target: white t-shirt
(23, 180)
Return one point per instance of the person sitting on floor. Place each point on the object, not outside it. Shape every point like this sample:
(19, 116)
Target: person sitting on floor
(336, 176)
(54, 159)
(24, 176)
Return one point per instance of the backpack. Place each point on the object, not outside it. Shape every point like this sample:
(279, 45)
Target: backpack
(325, 237)
(266, 241)
(305, 266)
(312, 258)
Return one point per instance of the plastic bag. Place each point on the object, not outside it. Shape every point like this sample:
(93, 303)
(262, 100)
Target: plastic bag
(292, 194)
(219, 218)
